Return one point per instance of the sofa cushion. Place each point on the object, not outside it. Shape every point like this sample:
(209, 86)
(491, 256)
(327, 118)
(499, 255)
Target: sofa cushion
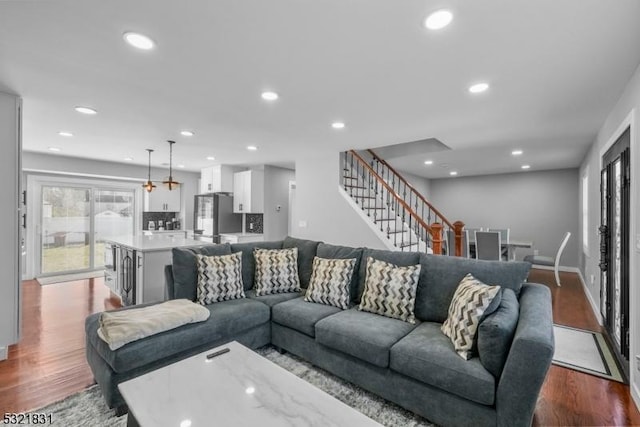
(469, 304)
(273, 299)
(330, 282)
(366, 336)
(441, 275)
(390, 290)
(248, 262)
(306, 252)
(344, 252)
(300, 315)
(219, 278)
(427, 355)
(227, 319)
(401, 259)
(276, 271)
(185, 269)
(496, 332)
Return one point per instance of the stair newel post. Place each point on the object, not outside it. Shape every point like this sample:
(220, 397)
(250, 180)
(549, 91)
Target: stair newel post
(458, 226)
(436, 237)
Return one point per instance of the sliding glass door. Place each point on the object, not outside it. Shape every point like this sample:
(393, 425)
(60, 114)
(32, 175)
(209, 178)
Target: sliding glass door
(74, 222)
(66, 229)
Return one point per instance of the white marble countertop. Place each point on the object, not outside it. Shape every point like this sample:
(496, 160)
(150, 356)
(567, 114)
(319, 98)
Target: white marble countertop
(237, 388)
(242, 234)
(157, 242)
(150, 232)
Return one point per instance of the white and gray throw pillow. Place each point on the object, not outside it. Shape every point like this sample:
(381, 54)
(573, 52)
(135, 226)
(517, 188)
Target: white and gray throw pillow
(330, 279)
(219, 278)
(469, 303)
(276, 271)
(390, 290)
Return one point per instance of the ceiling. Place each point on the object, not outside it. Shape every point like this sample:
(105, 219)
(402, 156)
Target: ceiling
(555, 70)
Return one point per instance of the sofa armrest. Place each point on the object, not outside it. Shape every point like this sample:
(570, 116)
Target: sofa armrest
(529, 358)
(168, 281)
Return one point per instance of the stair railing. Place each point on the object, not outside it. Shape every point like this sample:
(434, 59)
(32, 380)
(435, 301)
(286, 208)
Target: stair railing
(381, 201)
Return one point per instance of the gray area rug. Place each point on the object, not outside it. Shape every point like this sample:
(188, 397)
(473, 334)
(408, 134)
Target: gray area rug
(88, 408)
(70, 277)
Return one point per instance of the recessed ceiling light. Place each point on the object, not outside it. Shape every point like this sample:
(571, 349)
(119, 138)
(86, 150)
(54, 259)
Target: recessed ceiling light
(337, 125)
(252, 147)
(516, 152)
(56, 149)
(250, 390)
(210, 158)
(525, 166)
(428, 162)
(139, 40)
(86, 110)
(62, 133)
(186, 133)
(478, 87)
(128, 159)
(453, 173)
(181, 166)
(438, 19)
(187, 423)
(269, 96)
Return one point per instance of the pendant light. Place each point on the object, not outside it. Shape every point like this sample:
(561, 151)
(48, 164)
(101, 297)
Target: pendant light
(149, 186)
(170, 183)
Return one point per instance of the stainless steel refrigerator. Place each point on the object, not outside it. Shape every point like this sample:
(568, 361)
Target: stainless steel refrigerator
(213, 215)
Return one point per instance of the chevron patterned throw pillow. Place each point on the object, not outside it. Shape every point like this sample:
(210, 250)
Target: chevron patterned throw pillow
(390, 290)
(330, 279)
(219, 278)
(470, 301)
(276, 271)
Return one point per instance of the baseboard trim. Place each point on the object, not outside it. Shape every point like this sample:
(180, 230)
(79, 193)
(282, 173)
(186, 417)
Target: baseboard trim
(4, 353)
(635, 395)
(594, 306)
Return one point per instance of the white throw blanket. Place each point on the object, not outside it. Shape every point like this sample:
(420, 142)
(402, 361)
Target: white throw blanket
(121, 327)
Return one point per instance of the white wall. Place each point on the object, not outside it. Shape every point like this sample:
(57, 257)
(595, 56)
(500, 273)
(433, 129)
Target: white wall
(537, 206)
(95, 168)
(422, 185)
(327, 214)
(276, 193)
(9, 232)
(623, 114)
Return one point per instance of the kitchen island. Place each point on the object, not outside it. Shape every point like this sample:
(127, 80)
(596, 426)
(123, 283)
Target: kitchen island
(136, 274)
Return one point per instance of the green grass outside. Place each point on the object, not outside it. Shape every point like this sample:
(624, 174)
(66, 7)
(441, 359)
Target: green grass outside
(68, 258)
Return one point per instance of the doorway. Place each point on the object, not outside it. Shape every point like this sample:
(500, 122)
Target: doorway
(615, 191)
(71, 220)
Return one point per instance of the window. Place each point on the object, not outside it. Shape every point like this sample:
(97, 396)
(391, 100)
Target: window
(585, 211)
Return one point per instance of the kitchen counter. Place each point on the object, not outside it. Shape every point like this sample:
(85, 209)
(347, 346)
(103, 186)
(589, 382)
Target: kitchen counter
(151, 243)
(241, 237)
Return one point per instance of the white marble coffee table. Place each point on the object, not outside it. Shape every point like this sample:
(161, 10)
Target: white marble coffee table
(238, 388)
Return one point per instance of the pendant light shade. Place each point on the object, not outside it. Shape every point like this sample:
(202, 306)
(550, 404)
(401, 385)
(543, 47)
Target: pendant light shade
(149, 186)
(170, 183)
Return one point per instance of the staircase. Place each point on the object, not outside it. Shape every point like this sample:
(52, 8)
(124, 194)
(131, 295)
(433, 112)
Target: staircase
(396, 209)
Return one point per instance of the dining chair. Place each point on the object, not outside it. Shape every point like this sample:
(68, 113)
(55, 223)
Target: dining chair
(504, 241)
(504, 233)
(548, 261)
(488, 245)
(451, 243)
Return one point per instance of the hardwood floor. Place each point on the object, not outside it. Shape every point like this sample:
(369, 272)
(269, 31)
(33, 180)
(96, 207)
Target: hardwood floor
(572, 398)
(49, 363)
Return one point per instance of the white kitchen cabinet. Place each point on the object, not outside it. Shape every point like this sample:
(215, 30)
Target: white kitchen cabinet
(248, 192)
(215, 179)
(162, 200)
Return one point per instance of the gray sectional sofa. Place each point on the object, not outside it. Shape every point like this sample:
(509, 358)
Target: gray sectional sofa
(413, 365)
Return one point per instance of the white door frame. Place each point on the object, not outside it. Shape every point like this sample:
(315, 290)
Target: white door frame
(35, 182)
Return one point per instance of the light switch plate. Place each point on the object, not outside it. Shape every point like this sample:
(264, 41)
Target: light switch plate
(638, 242)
